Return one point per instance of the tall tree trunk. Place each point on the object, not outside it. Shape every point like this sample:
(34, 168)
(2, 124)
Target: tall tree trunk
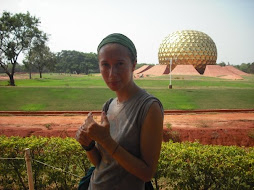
(86, 70)
(11, 75)
(14, 63)
(12, 82)
(30, 72)
(40, 69)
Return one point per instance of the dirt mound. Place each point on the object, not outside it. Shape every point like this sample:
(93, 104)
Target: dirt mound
(157, 70)
(210, 128)
(142, 69)
(236, 71)
(184, 70)
(221, 72)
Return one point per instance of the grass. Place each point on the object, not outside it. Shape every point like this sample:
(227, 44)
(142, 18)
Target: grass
(162, 82)
(57, 80)
(184, 99)
(82, 92)
(36, 99)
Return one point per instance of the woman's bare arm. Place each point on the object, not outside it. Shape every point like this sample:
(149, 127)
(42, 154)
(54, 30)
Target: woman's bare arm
(82, 137)
(94, 156)
(150, 145)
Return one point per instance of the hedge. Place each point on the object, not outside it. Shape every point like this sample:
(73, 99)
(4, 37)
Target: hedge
(181, 165)
(196, 166)
(60, 153)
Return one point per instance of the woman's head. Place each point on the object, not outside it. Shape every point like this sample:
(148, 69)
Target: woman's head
(117, 61)
(122, 40)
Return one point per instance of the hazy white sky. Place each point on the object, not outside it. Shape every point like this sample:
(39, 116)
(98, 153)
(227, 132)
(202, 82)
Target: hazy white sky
(81, 24)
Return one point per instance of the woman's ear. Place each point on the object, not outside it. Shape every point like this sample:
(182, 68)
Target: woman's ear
(134, 65)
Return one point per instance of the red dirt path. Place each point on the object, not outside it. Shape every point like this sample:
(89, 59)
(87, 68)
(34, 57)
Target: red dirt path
(208, 128)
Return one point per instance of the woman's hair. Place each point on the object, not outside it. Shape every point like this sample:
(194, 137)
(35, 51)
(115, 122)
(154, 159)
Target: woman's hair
(122, 40)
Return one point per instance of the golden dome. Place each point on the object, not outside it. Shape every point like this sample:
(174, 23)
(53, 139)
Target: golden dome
(188, 47)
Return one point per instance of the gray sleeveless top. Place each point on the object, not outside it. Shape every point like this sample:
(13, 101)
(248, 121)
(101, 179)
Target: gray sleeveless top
(126, 120)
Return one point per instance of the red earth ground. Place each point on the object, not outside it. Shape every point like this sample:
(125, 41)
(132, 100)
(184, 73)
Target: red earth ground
(207, 128)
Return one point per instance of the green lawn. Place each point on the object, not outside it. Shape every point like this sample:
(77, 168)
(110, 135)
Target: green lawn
(81, 92)
(57, 80)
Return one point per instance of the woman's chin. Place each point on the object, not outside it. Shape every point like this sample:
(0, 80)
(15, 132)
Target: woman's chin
(113, 87)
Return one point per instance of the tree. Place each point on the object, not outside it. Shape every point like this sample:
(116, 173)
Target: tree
(39, 56)
(246, 67)
(223, 64)
(91, 63)
(252, 67)
(36, 48)
(17, 33)
(77, 62)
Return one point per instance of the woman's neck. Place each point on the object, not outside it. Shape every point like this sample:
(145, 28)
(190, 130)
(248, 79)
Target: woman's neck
(127, 93)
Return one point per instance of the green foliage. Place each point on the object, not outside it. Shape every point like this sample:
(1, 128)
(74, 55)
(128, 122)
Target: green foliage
(222, 64)
(76, 62)
(40, 57)
(181, 165)
(195, 166)
(17, 33)
(246, 67)
(65, 154)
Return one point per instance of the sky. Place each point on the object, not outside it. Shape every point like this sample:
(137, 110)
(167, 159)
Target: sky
(81, 24)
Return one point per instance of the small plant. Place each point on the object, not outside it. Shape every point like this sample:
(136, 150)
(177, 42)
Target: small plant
(48, 126)
(251, 133)
(169, 134)
(169, 126)
(215, 135)
(203, 124)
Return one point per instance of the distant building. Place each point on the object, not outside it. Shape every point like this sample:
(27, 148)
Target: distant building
(188, 47)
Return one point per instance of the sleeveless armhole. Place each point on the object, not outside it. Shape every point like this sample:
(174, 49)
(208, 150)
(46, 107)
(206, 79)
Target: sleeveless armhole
(106, 105)
(145, 108)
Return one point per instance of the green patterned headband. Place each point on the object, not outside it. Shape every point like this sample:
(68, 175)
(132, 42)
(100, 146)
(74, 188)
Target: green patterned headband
(119, 39)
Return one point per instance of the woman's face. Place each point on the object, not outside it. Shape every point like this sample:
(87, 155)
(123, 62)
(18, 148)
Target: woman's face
(116, 66)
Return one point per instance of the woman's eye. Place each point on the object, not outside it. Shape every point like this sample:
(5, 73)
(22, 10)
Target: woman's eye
(105, 64)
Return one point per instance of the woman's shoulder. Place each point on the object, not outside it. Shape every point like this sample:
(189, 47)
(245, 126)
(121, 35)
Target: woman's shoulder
(145, 100)
(150, 98)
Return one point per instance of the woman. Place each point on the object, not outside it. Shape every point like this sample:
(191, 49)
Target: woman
(128, 139)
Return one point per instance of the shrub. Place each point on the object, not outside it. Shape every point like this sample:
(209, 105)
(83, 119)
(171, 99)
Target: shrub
(181, 165)
(57, 152)
(195, 166)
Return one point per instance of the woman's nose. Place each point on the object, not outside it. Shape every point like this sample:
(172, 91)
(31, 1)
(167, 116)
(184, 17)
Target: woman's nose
(113, 71)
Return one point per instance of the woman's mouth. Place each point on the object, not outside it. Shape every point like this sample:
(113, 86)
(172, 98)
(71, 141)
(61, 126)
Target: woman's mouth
(113, 83)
